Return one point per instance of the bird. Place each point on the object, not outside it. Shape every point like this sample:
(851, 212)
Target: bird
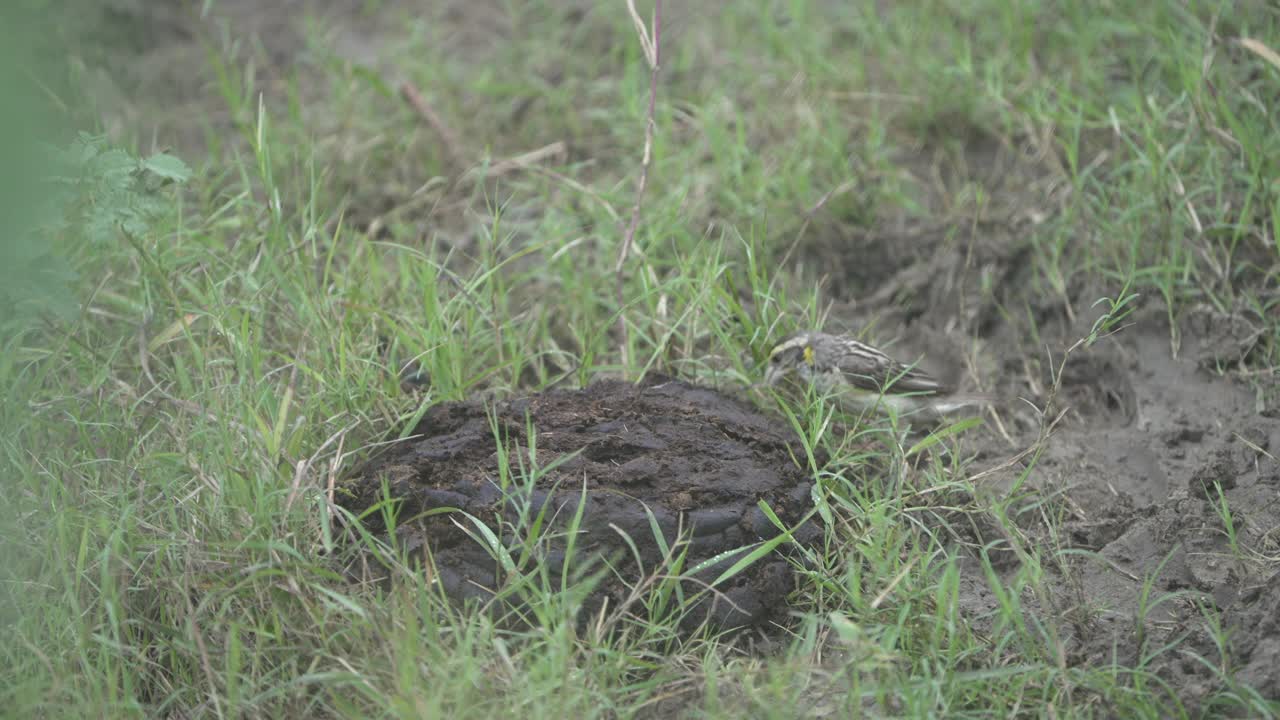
(862, 375)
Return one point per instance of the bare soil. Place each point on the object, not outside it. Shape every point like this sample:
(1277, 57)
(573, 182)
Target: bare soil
(1160, 431)
(1146, 480)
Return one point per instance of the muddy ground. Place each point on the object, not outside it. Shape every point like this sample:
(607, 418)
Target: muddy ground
(1158, 432)
(1134, 469)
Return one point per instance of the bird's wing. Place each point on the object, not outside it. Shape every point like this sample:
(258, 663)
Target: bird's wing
(870, 369)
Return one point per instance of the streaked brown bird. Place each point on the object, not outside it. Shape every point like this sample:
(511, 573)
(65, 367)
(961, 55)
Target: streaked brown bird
(857, 372)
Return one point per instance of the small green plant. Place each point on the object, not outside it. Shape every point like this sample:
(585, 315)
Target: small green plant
(87, 195)
(1228, 520)
(1117, 310)
(97, 190)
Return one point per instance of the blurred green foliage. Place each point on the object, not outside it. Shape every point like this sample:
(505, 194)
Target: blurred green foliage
(86, 193)
(59, 191)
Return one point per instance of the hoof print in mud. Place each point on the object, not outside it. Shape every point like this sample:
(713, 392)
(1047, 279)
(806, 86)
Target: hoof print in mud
(1216, 474)
(685, 459)
(1097, 388)
(1220, 339)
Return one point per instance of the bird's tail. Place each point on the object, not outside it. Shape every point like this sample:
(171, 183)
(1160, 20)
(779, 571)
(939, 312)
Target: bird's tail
(947, 404)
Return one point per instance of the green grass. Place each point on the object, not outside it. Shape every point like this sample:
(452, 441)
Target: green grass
(169, 548)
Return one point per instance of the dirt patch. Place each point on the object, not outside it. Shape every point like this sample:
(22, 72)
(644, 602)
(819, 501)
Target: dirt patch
(1185, 492)
(1163, 470)
(663, 453)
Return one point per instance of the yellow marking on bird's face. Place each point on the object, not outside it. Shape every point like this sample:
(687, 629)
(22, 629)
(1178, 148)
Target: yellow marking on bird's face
(808, 354)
